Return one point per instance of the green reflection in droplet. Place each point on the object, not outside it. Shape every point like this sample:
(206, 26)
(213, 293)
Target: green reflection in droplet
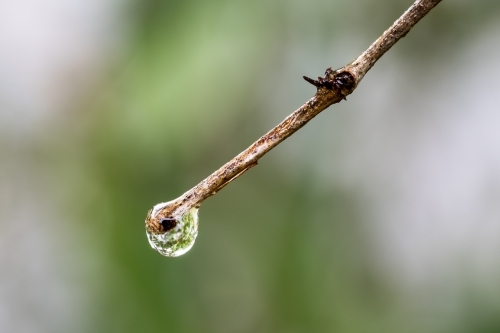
(179, 239)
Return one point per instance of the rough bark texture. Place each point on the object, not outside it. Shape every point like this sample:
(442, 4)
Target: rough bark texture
(398, 30)
(331, 89)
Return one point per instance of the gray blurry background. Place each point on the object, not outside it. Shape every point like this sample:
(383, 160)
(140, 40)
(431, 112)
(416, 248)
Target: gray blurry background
(381, 215)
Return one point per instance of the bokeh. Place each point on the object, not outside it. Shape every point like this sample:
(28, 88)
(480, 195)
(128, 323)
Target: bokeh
(381, 215)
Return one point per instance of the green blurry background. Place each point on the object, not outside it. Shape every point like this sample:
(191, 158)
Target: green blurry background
(381, 215)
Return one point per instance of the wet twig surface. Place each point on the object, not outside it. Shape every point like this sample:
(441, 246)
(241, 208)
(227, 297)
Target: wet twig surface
(333, 87)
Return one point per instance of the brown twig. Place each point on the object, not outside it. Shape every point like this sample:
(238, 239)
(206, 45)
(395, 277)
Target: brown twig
(331, 89)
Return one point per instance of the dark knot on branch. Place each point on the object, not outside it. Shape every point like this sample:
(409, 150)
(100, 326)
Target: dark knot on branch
(341, 81)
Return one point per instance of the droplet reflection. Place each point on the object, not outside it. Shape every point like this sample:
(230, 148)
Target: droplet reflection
(179, 238)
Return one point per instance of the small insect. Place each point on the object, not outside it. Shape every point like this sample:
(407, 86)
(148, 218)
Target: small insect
(341, 81)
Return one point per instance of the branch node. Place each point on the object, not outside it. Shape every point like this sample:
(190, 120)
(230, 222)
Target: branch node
(340, 81)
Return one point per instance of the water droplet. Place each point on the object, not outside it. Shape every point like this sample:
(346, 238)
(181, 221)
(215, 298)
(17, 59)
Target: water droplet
(181, 232)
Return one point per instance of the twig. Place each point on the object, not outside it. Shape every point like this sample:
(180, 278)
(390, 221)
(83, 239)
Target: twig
(331, 89)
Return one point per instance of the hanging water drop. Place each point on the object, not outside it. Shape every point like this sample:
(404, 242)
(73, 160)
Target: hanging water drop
(176, 235)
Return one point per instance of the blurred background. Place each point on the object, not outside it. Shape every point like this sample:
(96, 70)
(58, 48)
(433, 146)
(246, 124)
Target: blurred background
(381, 215)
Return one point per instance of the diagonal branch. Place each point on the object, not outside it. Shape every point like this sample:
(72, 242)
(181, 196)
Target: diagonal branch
(331, 89)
